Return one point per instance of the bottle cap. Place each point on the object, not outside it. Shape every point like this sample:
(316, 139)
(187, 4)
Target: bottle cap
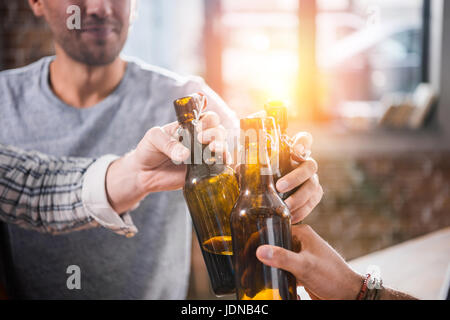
(190, 107)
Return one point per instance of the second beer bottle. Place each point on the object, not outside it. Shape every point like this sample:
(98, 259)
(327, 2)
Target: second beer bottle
(259, 217)
(210, 192)
(278, 111)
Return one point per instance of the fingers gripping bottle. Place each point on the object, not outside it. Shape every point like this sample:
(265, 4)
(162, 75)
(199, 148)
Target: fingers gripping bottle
(259, 217)
(210, 191)
(278, 111)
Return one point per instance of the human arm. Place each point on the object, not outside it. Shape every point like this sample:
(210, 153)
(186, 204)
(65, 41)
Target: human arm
(59, 195)
(42, 193)
(319, 268)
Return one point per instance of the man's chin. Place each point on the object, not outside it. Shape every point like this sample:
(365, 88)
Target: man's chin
(95, 58)
(99, 61)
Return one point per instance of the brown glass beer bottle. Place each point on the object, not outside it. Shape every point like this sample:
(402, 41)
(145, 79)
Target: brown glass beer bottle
(210, 191)
(273, 144)
(259, 217)
(278, 111)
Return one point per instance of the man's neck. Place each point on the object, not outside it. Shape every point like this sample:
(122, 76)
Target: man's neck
(83, 86)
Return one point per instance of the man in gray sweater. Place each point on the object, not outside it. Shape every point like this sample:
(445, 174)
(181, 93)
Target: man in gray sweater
(87, 101)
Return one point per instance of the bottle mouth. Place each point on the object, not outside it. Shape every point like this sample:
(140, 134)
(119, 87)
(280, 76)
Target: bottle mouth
(278, 110)
(189, 108)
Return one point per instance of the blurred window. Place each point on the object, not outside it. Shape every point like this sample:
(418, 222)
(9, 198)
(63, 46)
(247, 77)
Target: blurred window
(259, 56)
(380, 57)
(363, 49)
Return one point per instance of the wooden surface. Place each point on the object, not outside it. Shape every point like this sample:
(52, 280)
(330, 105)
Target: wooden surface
(418, 267)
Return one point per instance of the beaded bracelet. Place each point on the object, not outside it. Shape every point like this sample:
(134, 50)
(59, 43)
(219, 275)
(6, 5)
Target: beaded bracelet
(363, 291)
(371, 288)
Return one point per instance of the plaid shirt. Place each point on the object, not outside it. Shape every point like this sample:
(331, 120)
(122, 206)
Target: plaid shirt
(56, 195)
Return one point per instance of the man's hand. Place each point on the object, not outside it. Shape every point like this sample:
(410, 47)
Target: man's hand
(151, 168)
(317, 267)
(308, 196)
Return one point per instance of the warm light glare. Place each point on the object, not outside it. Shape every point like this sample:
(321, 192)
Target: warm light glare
(260, 59)
(350, 51)
(260, 42)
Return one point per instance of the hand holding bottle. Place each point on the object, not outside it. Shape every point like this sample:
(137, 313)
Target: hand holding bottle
(310, 192)
(317, 266)
(320, 269)
(151, 168)
(296, 177)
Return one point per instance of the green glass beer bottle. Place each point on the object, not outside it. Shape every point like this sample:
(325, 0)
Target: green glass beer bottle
(210, 191)
(259, 217)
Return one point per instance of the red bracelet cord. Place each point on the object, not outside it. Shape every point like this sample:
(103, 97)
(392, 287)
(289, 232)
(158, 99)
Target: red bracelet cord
(363, 290)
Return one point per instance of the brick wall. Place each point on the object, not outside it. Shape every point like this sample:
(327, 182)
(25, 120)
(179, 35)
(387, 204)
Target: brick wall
(375, 202)
(23, 37)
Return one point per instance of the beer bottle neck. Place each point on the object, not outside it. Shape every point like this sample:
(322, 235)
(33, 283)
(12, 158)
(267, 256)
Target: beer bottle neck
(256, 174)
(202, 158)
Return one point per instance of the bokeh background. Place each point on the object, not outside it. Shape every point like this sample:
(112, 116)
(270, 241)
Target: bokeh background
(334, 61)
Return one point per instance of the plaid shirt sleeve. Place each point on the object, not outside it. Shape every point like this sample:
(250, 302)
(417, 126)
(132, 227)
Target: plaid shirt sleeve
(47, 194)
